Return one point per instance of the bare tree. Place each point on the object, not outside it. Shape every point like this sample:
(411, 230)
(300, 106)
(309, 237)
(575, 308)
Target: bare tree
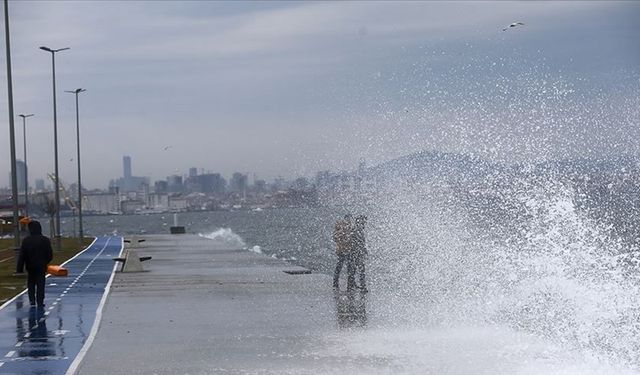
(46, 202)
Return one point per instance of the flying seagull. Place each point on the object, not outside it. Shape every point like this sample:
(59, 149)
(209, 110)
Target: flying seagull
(167, 147)
(515, 24)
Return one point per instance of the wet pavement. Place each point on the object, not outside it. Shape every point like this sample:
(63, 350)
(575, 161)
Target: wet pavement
(203, 307)
(46, 340)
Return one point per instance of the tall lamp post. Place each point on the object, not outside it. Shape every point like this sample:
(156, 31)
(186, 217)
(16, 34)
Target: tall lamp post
(80, 234)
(12, 139)
(55, 142)
(26, 166)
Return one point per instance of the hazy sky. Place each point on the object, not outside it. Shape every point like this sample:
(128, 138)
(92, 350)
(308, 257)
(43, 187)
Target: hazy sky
(289, 88)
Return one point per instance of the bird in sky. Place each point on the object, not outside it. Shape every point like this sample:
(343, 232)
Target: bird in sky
(515, 24)
(166, 148)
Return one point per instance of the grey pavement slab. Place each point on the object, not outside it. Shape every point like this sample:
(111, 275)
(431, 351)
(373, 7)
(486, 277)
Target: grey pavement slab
(203, 308)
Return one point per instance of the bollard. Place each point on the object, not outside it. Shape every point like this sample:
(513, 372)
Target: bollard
(176, 229)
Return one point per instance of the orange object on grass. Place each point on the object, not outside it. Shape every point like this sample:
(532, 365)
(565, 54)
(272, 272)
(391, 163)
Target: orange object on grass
(57, 270)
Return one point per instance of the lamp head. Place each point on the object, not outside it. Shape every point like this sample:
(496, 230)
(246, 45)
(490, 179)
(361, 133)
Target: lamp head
(76, 91)
(53, 50)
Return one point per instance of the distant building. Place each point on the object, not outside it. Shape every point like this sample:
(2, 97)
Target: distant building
(193, 172)
(129, 182)
(279, 184)
(210, 183)
(174, 184)
(238, 182)
(178, 203)
(126, 164)
(260, 186)
(132, 206)
(100, 202)
(161, 187)
(113, 188)
(40, 185)
(158, 201)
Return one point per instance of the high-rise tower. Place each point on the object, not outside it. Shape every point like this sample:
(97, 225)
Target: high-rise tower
(126, 162)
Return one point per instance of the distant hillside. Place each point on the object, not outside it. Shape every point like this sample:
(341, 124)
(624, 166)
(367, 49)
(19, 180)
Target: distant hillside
(457, 167)
(447, 167)
(607, 189)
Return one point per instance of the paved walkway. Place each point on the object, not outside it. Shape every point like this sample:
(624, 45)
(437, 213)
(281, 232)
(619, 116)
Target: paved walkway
(46, 341)
(205, 308)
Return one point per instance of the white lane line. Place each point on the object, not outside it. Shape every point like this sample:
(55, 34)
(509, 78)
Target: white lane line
(10, 354)
(19, 344)
(1, 364)
(27, 335)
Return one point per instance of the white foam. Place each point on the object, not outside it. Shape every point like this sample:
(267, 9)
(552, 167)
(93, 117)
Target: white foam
(463, 350)
(256, 249)
(226, 235)
(558, 276)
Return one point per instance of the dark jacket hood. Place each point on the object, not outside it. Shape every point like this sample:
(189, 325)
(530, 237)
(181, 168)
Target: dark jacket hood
(35, 228)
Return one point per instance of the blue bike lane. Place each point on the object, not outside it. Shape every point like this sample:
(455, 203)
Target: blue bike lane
(47, 340)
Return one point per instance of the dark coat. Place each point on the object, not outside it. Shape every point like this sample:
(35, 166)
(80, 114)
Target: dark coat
(357, 237)
(358, 240)
(36, 252)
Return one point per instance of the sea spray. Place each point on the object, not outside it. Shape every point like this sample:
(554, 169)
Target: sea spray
(226, 235)
(536, 263)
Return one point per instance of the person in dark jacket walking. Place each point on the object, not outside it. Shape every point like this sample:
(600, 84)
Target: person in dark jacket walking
(36, 253)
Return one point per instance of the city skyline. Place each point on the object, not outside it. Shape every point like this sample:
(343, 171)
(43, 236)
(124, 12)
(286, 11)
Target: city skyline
(290, 88)
(127, 172)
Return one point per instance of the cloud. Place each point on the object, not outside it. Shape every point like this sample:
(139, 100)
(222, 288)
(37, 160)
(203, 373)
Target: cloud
(267, 82)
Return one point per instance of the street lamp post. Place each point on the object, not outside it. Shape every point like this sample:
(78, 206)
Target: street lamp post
(12, 139)
(80, 233)
(55, 142)
(26, 166)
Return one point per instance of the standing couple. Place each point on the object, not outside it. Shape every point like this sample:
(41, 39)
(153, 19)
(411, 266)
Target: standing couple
(350, 248)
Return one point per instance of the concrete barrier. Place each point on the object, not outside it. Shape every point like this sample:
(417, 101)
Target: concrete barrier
(131, 261)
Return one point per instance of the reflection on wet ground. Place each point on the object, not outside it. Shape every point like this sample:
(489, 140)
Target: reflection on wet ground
(46, 340)
(351, 308)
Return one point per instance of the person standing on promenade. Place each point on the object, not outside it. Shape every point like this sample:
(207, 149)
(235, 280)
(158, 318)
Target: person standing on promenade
(359, 251)
(36, 253)
(342, 233)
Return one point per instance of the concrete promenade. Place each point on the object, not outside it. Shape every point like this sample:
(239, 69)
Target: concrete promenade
(202, 307)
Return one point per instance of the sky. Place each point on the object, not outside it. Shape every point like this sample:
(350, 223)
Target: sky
(291, 88)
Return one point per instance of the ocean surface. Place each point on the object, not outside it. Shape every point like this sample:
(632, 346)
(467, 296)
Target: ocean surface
(302, 236)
